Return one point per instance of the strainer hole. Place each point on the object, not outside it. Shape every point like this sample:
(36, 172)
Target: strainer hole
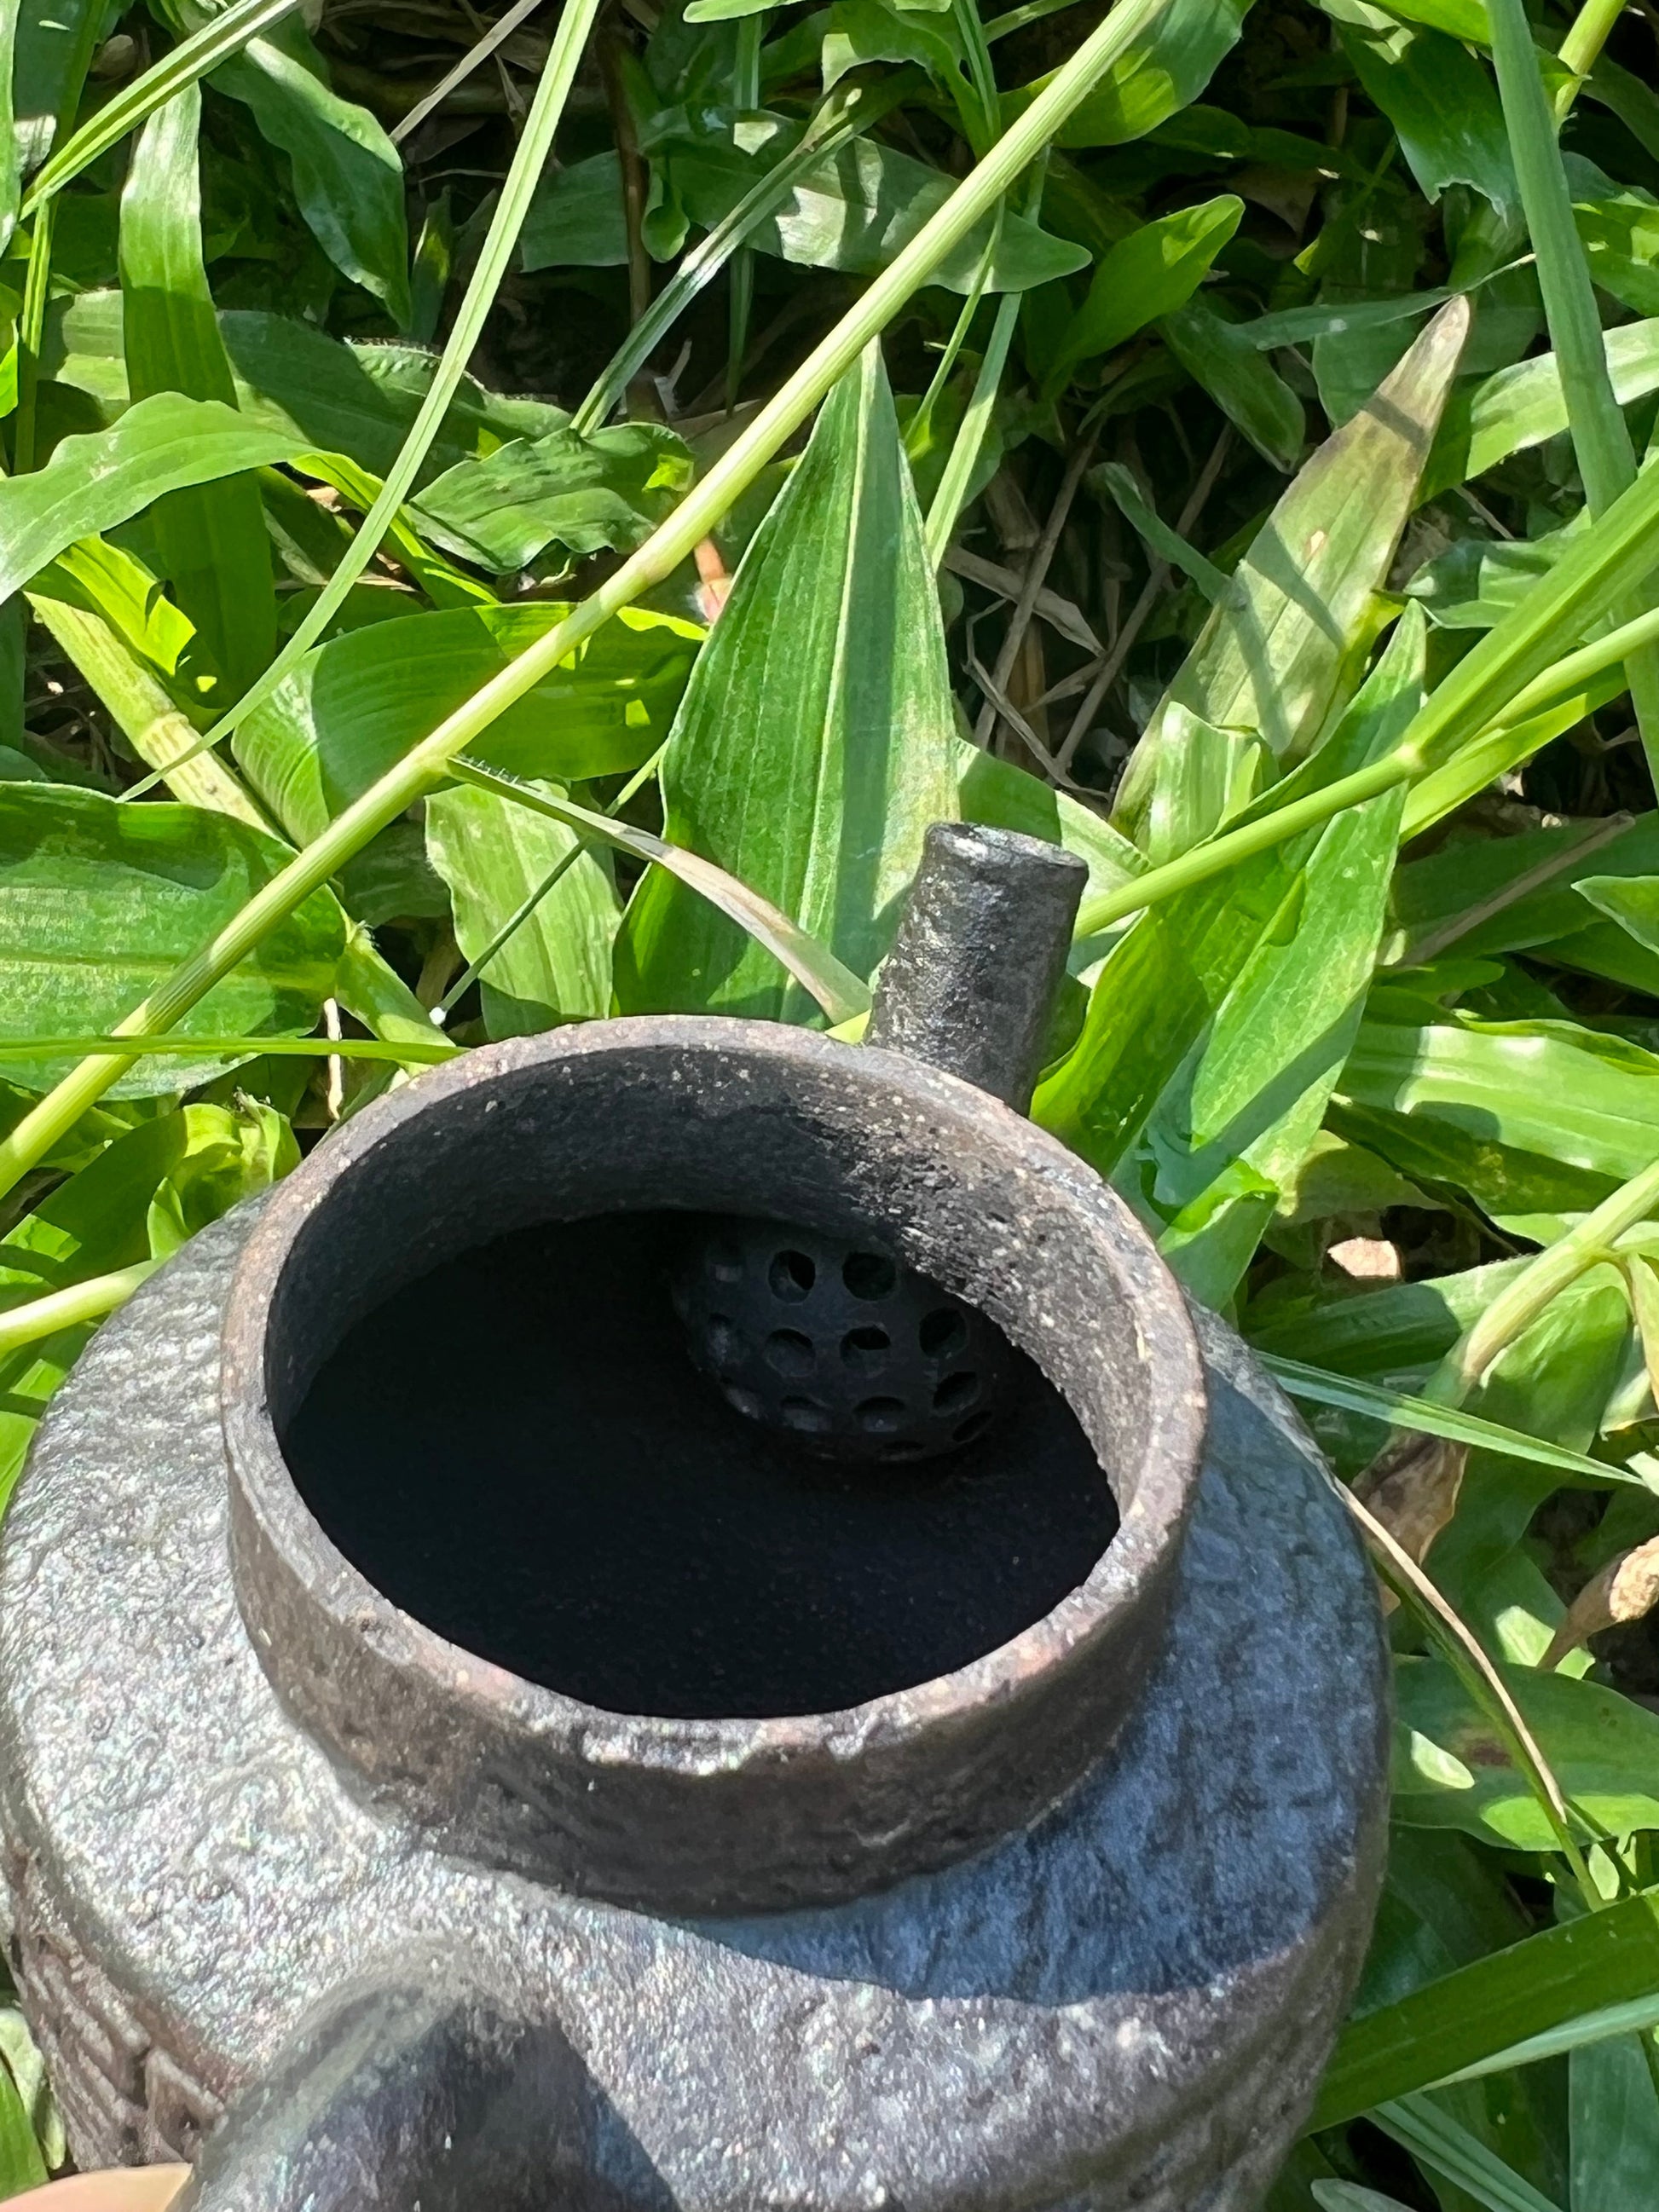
(883, 1417)
(943, 1333)
(957, 1392)
(894, 1455)
(805, 1415)
(789, 1353)
(865, 1350)
(975, 1425)
(792, 1275)
(869, 1275)
(744, 1402)
(724, 1343)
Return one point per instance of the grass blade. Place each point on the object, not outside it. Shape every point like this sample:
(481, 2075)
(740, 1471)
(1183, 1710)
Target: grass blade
(1317, 1386)
(211, 536)
(1601, 436)
(836, 990)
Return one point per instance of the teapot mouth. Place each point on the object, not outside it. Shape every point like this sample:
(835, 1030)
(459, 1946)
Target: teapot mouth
(711, 1115)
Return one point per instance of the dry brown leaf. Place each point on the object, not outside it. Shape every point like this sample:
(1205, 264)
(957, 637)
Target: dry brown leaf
(1412, 1487)
(1626, 1589)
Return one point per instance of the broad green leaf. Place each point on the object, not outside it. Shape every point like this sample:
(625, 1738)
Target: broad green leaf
(1168, 982)
(1477, 877)
(607, 490)
(53, 49)
(352, 708)
(211, 537)
(817, 738)
(228, 1153)
(26, 2069)
(1478, 580)
(1220, 357)
(1149, 273)
(29, 1377)
(1520, 407)
(1619, 229)
(495, 856)
(1573, 1096)
(98, 901)
(21, 2166)
(93, 483)
(1371, 249)
(134, 1200)
(108, 581)
(1230, 1132)
(1613, 2125)
(1632, 902)
(1485, 2008)
(576, 220)
(1391, 1334)
(1453, 1769)
(328, 396)
(107, 1215)
(1203, 129)
(348, 178)
(1207, 778)
(860, 31)
(854, 210)
(1160, 73)
(1440, 100)
(1273, 659)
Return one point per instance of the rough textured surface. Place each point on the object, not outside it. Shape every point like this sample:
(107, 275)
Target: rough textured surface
(413, 2092)
(1124, 2005)
(979, 954)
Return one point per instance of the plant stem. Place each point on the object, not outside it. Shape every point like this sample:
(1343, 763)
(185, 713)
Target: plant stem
(1601, 435)
(1472, 694)
(88, 1301)
(1591, 30)
(1516, 1308)
(672, 543)
(1217, 854)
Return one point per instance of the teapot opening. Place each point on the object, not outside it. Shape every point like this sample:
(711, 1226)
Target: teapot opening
(522, 1450)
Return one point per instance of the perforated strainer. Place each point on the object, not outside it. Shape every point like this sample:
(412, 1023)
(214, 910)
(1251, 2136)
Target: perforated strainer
(836, 1345)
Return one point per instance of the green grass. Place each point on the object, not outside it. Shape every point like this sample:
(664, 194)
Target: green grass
(1142, 427)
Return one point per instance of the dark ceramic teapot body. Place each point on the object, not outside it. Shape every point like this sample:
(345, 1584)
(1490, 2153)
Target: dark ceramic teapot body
(1062, 1908)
